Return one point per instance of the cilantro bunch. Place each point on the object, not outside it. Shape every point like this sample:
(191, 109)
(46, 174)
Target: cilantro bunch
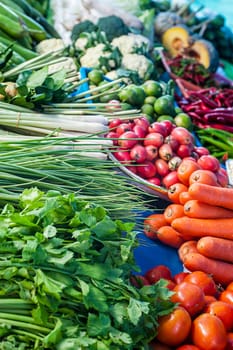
(65, 267)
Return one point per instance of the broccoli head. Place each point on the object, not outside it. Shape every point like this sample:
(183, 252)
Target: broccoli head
(79, 28)
(113, 26)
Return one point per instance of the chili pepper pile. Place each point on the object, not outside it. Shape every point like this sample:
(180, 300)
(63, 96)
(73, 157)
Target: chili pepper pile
(191, 70)
(210, 107)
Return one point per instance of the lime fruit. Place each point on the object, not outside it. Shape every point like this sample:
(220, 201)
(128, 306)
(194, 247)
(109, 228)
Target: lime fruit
(165, 117)
(165, 105)
(153, 88)
(147, 109)
(133, 95)
(95, 76)
(184, 120)
(150, 99)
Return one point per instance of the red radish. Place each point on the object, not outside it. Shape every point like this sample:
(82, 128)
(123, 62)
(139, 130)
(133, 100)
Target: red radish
(151, 152)
(222, 177)
(139, 131)
(113, 124)
(184, 151)
(155, 181)
(172, 141)
(165, 152)
(168, 125)
(113, 105)
(201, 151)
(123, 156)
(170, 179)
(132, 168)
(158, 127)
(113, 135)
(162, 167)
(123, 127)
(146, 170)
(209, 162)
(182, 135)
(154, 138)
(138, 153)
(174, 162)
(127, 140)
(143, 122)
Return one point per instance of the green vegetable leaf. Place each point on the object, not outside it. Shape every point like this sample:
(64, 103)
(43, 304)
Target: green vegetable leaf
(135, 310)
(58, 79)
(98, 325)
(93, 297)
(37, 78)
(105, 228)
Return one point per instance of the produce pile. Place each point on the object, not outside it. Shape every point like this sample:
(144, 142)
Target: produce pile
(115, 126)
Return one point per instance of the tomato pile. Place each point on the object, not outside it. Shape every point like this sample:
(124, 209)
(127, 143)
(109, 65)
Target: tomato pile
(156, 151)
(203, 318)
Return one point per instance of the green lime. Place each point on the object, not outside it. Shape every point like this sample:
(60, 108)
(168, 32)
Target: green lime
(165, 117)
(184, 120)
(150, 99)
(133, 95)
(108, 97)
(153, 88)
(178, 110)
(165, 105)
(147, 109)
(95, 76)
(140, 95)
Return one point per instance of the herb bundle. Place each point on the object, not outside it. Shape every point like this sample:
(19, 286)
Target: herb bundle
(64, 268)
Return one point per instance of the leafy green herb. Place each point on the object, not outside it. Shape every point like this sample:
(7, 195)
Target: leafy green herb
(65, 285)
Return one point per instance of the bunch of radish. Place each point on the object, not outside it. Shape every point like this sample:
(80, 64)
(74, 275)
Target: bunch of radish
(155, 151)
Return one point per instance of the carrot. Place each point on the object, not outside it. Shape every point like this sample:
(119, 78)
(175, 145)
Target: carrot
(196, 209)
(173, 211)
(219, 196)
(216, 248)
(222, 228)
(184, 197)
(175, 190)
(221, 271)
(187, 248)
(152, 223)
(169, 236)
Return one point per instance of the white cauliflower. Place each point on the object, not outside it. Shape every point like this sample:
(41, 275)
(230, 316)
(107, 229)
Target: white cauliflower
(131, 42)
(50, 45)
(92, 55)
(80, 43)
(68, 65)
(139, 63)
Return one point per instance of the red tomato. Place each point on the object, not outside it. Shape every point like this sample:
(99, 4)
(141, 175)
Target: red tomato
(190, 296)
(180, 276)
(188, 347)
(227, 296)
(208, 332)
(203, 280)
(229, 341)
(139, 281)
(209, 299)
(222, 310)
(174, 328)
(156, 273)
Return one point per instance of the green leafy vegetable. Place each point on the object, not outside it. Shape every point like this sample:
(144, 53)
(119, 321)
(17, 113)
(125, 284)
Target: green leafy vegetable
(65, 278)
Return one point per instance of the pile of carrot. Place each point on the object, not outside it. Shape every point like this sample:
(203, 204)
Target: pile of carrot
(201, 228)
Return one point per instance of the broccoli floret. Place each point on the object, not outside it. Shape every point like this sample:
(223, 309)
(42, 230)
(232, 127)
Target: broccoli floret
(113, 26)
(79, 28)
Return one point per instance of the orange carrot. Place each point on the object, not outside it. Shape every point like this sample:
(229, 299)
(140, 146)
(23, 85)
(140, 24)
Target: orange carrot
(196, 209)
(184, 197)
(173, 211)
(222, 228)
(216, 248)
(152, 223)
(187, 248)
(219, 196)
(221, 271)
(169, 236)
(175, 190)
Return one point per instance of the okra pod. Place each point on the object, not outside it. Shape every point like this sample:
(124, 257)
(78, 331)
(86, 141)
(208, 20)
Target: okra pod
(20, 49)
(11, 27)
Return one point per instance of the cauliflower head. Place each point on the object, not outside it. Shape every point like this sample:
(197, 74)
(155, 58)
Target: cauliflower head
(92, 56)
(139, 63)
(50, 45)
(131, 43)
